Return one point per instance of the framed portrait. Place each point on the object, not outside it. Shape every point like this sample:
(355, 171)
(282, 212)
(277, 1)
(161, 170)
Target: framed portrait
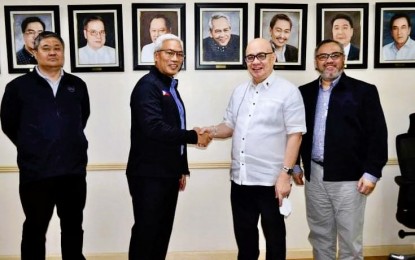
(23, 24)
(285, 25)
(347, 24)
(96, 38)
(150, 21)
(395, 35)
(221, 35)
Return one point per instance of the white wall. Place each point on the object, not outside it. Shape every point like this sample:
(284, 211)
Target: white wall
(203, 220)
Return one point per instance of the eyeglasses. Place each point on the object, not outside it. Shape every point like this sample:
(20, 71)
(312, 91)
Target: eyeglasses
(326, 56)
(260, 56)
(172, 53)
(33, 32)
(95, 33)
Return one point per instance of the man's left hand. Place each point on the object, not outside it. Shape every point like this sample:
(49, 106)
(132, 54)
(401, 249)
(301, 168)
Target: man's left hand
(283, 186)
(365, 186)
(182, 182)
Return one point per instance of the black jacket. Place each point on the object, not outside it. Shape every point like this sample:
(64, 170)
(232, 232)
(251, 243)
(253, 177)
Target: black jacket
(156, 136)
(291, 53)
(354, 53)
(356, 133)
(48, 131)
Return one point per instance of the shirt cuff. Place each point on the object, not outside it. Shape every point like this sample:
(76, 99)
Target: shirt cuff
(370, 177)
(297, 169)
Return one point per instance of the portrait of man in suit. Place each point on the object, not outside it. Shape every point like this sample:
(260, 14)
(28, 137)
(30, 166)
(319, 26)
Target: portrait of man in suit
(345, 27)
(282, 28)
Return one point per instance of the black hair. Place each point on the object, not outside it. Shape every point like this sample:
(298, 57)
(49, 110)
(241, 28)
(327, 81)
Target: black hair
(397, 16)
(280, 17)
(326, 42)
(342, 16)
(31, 19)
(90, 18)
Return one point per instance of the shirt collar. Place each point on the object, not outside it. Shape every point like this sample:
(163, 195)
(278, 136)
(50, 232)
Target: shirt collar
(44, 76)
(267, 82)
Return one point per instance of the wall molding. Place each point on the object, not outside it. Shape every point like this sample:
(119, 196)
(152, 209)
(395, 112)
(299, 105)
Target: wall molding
(122, 166)
(381, 250)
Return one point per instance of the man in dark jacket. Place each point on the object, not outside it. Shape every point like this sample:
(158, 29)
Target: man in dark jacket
(157, 164)
(44, 113)
(343, 152)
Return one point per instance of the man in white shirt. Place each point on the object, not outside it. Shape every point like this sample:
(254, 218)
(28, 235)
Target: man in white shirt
(95, 51)
(265, 118)
(402, 47)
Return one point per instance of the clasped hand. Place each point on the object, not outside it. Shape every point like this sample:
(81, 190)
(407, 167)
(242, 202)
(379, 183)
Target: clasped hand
(203, 137)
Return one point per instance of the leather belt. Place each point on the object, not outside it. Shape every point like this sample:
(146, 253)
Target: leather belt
(318, 162)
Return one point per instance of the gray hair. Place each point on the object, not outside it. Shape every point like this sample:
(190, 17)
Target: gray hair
(166, 37)
(216, 16)
(45, 35)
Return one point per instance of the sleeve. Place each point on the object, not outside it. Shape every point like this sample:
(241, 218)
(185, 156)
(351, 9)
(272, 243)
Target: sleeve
(10, 112)
(86, 110)
(376, 133)
(294, 112)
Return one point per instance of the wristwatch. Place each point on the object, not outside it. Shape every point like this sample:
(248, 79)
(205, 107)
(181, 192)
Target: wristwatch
(288, 170)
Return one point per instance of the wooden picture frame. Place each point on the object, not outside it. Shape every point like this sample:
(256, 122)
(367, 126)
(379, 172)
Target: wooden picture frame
(348, 24)
(223, 49)
(96, 38)
(19, 59)
(288, 34)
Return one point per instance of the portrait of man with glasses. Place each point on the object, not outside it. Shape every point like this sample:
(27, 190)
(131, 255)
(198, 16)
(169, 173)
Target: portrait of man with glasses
(95, 51)
(31, 27)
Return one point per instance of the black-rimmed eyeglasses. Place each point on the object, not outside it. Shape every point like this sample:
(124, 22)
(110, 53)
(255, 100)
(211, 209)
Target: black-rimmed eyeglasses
(326, 56)
(260, 56)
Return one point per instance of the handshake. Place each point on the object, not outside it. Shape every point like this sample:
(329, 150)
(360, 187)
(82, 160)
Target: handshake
(204, 135)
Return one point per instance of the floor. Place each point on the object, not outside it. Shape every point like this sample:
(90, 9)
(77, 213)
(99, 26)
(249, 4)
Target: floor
(366, 258)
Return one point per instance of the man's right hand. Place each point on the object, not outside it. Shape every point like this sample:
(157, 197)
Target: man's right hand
(203, 139)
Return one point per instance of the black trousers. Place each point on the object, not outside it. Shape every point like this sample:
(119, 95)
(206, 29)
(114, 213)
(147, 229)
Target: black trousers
(248, 204)
(38, 200)
(154, 204)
